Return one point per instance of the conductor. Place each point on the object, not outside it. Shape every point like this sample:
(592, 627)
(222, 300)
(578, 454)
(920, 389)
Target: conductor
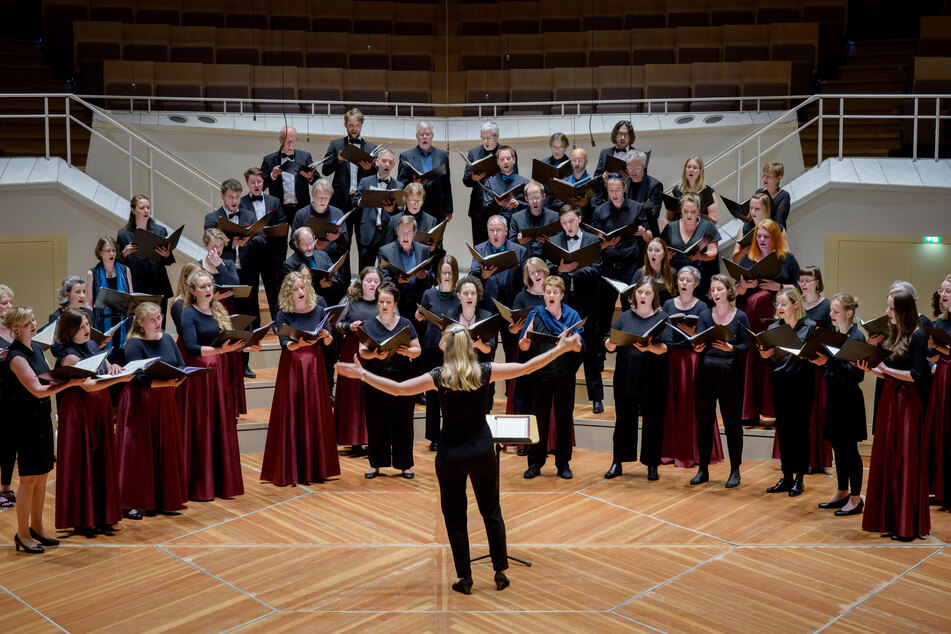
(465, 443)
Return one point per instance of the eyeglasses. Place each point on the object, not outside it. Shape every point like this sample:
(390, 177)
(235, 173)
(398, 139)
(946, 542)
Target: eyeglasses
(614, 176)
(407, 233)
(497, 230)
(534, 199)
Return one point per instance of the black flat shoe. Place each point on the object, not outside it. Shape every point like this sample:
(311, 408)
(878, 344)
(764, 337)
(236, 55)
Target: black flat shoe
(798, 488)
(565, 474)
(45, 541)
(702, 476)
(409, 475)
(501, 581)
(31, 550)
(530, 473)
(464, 585)
(434, 446)
(597, 407)
(521, 452)
(899, 538)
(734, 480)
(249, 373)
(857, 509)
(834, 505)
(652, 474)
(132, 514)
(782, 486)
(614, 471)
(369, 475)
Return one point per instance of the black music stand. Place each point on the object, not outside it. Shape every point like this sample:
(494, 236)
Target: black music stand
(510, 429)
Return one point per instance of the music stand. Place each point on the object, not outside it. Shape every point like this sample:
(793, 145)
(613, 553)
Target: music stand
(510, 429)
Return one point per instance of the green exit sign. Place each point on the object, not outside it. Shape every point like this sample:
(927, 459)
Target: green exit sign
(933, 239)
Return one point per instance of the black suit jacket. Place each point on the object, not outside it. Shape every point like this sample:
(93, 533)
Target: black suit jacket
(245, 218)
(262, 247)
(367, 226)
(495, 183)
(410, 294)
(438, 201)
(523, 219)
(336, 248)
(581, 284)
(297, 262)
(341, 171)
(505, 285)
(650, 193)
(275, 187)
(476, 198)
(424, 222)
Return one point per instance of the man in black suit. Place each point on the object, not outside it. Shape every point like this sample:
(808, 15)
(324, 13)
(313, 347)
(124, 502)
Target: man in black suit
(406, 254)
(643, 187)
(502, 285)
(622, 140)
(581, 293)
(490, 144)
(237, 246)
(333, 243)
(424, 158)
(506, 178)
(291, 189)
(347, 175)
(537, 215)
(264, 255)
(372, 228)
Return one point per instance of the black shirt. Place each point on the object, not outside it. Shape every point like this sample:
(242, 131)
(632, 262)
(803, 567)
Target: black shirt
(465, 432)
(302, 321)
(164, 348)
(398, 367)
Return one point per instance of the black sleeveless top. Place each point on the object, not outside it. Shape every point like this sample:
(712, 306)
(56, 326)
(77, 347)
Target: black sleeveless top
(465, 432)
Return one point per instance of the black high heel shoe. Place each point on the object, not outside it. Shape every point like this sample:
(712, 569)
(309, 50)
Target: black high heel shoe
(464, 585)
(501, 581)
(32, 550)
(46, 541)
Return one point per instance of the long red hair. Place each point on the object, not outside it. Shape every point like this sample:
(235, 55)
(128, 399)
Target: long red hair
(776, 233)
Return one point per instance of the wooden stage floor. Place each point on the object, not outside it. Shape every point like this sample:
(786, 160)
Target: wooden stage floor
(608, 556)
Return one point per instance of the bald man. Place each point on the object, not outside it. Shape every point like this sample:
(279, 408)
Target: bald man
(293, 190)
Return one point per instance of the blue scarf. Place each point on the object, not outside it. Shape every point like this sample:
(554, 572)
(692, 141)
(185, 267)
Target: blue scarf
(569, 317)
(122, 284)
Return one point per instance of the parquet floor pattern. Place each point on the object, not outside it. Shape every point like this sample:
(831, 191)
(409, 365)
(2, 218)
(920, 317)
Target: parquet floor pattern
(607, 556)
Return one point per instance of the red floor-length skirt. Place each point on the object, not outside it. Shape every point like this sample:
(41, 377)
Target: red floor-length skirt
(680, 420)
(87, 478)
(757, 395)
(209, 430)
(349, 419)
(820, 449)
(149, 445)
(896, 500)
(234, 371)
(301, 441)
(938, 430)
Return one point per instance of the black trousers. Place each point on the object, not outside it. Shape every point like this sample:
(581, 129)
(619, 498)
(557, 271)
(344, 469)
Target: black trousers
(607, 299)
(483, 471)
(652, 407)
(389, 429)
(8, 450)
(480, 230)
(719, 379)
(848, 467)
(560, 394)
(587, 306)
(367, 252)
(792, 402)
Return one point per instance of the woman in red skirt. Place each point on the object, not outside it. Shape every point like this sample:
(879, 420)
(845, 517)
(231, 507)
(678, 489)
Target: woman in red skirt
(301, 444)
(680, 420)
(758, 302)
(896, 499)
(360, 303)
(938, 421)
(87, 484)
(152, 474)
(210, 433)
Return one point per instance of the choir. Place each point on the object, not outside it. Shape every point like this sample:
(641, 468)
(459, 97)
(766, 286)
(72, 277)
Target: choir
(544, 283)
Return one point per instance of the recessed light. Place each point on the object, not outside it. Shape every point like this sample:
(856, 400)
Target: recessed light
(177, 118)
(684, 119)
(714, 118)
(206, 119)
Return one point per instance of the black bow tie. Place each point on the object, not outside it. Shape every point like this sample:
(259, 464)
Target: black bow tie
(289, 157)
(385, 181)
(256, 198)
(356, 141)
(574, 237)
(232, 216)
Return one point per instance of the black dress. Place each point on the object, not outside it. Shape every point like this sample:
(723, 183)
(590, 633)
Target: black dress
(705, 229)
(8, 450)
(845, 423)
(438, 303)
(640, 383)
(792, 385)
(465, 449)
(32, 426)
(389, 418)
(148, 276)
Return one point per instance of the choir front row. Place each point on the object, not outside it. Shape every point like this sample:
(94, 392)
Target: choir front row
(175, 439)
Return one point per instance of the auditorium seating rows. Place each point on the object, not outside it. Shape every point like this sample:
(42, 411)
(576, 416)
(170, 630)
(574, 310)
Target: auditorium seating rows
(376, 90)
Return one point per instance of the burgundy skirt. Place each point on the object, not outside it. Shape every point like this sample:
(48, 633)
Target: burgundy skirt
(234, 371)
(938, 429)
(757, 395)
(149, 444)
(896, 499)
(301, 441)
(87, 479)
(820, 449)
(349, 419)
(680, 420)
(209, 430)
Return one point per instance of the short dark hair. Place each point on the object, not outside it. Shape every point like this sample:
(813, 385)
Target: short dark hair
(252, 171)
(231, 185)
(389, 288)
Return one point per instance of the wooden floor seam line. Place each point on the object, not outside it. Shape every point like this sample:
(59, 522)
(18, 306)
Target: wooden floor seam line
(31, 608)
